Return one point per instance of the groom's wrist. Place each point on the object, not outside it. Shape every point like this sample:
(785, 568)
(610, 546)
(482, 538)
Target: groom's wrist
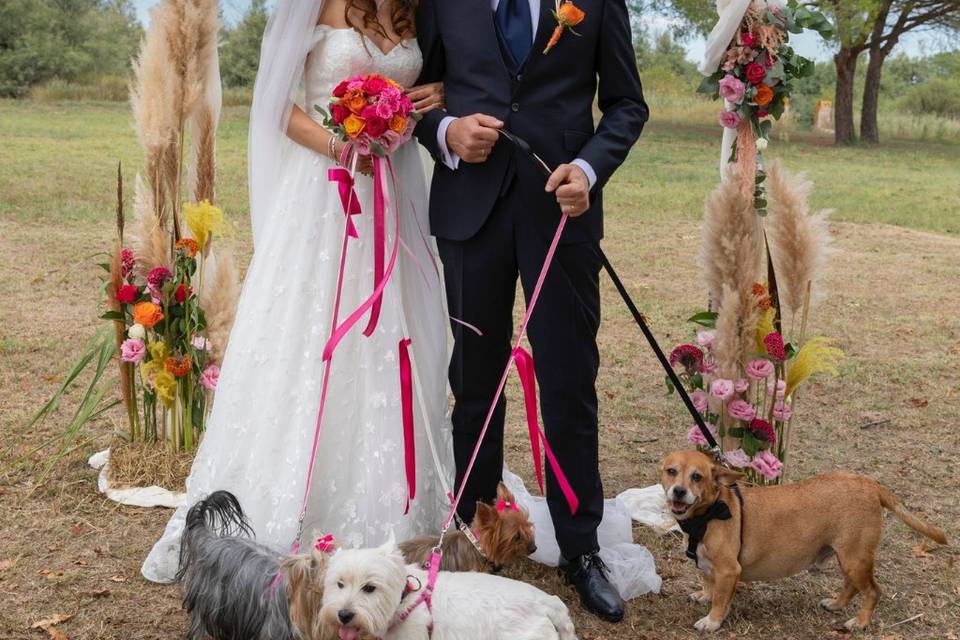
(587, 170)
(448, 158)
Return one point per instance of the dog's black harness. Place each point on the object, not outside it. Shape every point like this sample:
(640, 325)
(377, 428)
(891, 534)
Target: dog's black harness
(696, 528)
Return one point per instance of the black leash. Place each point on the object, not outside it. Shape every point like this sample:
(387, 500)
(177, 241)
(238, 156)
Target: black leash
(525, 149)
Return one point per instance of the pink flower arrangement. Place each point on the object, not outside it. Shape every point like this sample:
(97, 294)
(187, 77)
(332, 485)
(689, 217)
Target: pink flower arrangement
(759, 369)
(695, 436)
(700, 400)
(755, 73)
(730, 119)
(742, 410)
(721, 389)
(767, 465)
(737, 458)
(732, 89)
(210, 377)
(132, 350)
(372, 113)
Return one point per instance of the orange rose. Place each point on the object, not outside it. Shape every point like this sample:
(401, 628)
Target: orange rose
(570, 15)
(398, 124)
(353, 125)
(764, 95)
(147, 314)
(354, 100)
(179, 366)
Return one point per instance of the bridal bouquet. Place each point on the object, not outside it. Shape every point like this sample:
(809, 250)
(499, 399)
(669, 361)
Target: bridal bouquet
(372, 113)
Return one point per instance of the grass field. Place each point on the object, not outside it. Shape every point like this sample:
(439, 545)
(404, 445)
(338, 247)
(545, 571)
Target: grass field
(892, 304)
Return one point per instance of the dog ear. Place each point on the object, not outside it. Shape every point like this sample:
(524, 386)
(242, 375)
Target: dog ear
(725, 474)
(504, 494)
(485, 515)
(390, 546)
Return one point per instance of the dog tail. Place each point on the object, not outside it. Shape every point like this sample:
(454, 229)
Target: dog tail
(219, 514)
(890, 501)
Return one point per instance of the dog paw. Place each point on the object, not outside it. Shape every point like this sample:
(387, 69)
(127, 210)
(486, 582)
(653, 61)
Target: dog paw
(700, 596)
(707, 623)
(854, 625)
(830, 604)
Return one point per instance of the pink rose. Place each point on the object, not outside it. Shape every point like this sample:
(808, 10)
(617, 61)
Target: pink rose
(755, 73)
(695, 436)
(781, 387)
(748, 39)
(730, 119)
(705, 338)
(767, 465)
(356, 84)
(782, 411)
(132, 350)
(374, 85)
(737, 458)
(721, 389)
(210, 377)
(732, 89)
(383, 110)
(759, 369)
(700, 400)
(707, 368)
(741, 385)
(742, 410)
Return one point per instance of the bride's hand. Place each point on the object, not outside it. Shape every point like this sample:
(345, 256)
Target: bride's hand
(364, 163)
(426, 97)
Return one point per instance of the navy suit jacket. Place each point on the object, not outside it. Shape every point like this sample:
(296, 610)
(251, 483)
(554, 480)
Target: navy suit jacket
(549, 102)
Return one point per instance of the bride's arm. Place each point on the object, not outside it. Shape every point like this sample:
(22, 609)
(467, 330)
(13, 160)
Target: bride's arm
(308, 133)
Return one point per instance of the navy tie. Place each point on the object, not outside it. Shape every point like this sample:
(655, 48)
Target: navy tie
(516, 27)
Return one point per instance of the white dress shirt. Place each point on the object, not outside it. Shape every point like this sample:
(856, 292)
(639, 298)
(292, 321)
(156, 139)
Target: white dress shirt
(452, 160)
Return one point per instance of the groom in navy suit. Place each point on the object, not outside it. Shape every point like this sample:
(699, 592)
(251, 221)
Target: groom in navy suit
(493, 218)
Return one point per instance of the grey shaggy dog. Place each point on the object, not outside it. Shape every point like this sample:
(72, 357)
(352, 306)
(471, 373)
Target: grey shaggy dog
(231, 589)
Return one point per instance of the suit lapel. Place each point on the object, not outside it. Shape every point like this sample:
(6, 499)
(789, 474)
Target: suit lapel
(544, 29)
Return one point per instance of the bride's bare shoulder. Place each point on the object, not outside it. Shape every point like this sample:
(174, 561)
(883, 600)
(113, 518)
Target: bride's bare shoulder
(333, 14)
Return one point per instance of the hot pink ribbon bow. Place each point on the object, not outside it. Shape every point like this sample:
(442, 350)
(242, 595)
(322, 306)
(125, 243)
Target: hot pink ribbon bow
(348, 197)
(325, 543)
(406, 406)
(503, 505)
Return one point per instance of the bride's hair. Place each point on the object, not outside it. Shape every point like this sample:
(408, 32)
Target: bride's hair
(402, 16)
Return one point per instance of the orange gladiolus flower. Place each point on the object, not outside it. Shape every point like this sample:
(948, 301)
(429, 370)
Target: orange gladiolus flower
(764, 95)
(147, 314)
(179, 366)
(398, 124)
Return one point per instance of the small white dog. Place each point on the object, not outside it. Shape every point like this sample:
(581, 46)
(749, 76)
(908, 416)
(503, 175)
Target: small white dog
(366, 591)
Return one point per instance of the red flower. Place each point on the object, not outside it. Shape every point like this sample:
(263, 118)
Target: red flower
(755, 73)
(183, 292)
(376, 127)
(339, 113)
(748, 39)
(762, 429)
(340, 89)
(373, 85)
(689, 357)
(127, 294)
(775, 348)
(126, 262)
(760, 113)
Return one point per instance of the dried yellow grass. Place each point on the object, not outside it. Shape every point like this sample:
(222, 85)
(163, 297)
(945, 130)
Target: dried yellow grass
(219, 297)
(145, 464)
(149, 240)
(799, 240)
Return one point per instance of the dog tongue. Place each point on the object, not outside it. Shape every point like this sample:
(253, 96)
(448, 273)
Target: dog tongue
(348, 633)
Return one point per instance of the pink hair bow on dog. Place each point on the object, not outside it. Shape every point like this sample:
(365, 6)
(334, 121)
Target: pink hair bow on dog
(506, 504)
(325, 543)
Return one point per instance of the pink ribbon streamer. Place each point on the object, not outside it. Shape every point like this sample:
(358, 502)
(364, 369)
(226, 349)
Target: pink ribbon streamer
(406, 403)
(348, 197)
(528, 381)
(379, 242)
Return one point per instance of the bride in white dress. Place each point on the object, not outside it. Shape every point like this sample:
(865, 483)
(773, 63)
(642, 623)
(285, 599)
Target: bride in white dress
(260, 432)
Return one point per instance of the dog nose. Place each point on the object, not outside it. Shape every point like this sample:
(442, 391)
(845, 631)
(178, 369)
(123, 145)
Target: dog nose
(345, 616)
(531, 548)
(679, 493)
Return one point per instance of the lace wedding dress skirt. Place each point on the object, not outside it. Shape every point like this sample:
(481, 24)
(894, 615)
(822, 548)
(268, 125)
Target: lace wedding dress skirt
(260, 431)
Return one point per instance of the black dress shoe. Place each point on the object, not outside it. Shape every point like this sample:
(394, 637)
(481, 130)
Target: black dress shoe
(588, 574)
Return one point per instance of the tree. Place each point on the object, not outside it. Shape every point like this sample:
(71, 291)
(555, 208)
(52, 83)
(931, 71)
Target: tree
(240, 53)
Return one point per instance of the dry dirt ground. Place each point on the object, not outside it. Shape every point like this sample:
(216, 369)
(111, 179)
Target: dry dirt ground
(66, 550)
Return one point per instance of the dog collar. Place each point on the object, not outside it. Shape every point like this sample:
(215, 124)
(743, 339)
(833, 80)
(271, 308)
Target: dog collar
(471, 536)
(696, 528)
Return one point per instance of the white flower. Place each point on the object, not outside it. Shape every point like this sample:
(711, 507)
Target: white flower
(137, 331)
(761, 144)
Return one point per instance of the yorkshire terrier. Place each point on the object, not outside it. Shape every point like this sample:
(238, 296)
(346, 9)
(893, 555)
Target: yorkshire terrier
(499, 535)
(237, 588)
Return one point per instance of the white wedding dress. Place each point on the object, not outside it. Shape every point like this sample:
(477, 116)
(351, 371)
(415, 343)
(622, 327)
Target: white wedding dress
(259, 435)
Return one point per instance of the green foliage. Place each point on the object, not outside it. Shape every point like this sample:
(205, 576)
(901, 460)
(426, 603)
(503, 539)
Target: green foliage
(73, 40)
(240, 52)
(940, 96)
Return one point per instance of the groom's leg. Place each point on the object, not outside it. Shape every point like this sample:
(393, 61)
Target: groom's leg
(481, 279)
(563, 333)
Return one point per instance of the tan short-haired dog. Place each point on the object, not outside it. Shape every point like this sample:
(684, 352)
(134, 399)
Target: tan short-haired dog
(777, 532)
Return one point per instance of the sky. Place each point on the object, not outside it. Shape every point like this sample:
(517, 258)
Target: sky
(807, 44)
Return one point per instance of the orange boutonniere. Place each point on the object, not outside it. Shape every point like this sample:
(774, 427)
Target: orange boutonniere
(567, 15)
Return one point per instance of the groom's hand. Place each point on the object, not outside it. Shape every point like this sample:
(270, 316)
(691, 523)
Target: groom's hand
(472, 137)
(572, 188)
